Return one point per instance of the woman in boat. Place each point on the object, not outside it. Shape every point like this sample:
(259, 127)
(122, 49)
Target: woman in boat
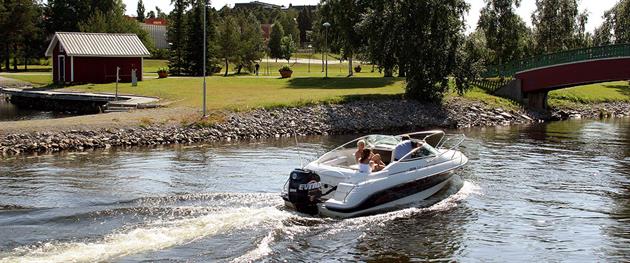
(365, 162)
(370, 162)
(360, 148)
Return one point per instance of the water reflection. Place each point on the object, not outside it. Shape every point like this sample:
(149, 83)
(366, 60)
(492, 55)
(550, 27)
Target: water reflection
(9, 112)
(619, 232)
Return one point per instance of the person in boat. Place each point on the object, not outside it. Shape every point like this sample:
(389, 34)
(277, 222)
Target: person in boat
(370, 162)
(404, 147)
(359, 152)
(365, 162)
(374, 157)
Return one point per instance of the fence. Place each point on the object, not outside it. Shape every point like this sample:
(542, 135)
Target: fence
(569, 56)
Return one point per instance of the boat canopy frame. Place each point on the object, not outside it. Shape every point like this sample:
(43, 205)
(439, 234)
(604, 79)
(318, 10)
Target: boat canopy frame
(435, 138)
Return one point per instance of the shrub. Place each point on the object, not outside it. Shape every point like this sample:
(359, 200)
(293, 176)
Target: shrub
(285, 68)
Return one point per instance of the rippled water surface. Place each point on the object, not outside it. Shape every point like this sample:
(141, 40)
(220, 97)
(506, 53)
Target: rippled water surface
(9, 112)
(549, 192)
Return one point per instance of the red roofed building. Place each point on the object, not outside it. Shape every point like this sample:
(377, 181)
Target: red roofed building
(93, 57)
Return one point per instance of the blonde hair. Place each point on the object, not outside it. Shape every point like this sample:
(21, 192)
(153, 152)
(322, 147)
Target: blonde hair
(361, 142)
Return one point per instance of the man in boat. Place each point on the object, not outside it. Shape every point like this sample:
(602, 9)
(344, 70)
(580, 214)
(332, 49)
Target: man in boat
(403, 148)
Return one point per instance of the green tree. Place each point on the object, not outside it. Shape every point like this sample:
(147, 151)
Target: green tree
(275, 39)
(194, 43)
(17, 29)
(433, 35)
(344, 16)
(504, 30)
(383, 35)
(176, 35)
(471, 61)
(305, 24)
(228, 41)
(251, 43)
(616, 25)
(288, 20)
(4, 14)
(140, 10)
(159, 12)
(66, 15)
(288, 47)
(114, 21)
(558, 26)
(151, 14)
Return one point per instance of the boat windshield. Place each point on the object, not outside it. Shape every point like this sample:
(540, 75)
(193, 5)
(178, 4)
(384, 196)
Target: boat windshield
(423, 151)
(382, 141)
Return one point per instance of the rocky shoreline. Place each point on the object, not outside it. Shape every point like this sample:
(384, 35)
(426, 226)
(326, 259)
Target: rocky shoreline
(349, 118)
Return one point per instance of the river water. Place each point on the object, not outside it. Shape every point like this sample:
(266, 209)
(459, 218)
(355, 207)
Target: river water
(9, 112)
(548, 192)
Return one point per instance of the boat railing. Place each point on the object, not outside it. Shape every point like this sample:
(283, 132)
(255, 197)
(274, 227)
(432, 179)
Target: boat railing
(460, 139)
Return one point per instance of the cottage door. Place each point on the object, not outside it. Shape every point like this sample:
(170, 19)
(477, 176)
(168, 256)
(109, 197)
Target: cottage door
(62, 69)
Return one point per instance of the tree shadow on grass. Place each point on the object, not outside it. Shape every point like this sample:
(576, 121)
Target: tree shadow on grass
(623, 88)
(340, 83)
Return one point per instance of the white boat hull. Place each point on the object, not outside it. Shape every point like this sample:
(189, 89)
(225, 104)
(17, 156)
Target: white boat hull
(390, 206)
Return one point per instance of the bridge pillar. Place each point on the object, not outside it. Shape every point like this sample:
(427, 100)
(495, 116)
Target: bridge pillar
(537, 100)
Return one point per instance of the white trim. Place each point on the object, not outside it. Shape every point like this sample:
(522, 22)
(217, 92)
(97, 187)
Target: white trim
(51, 46)
(570, 63)
(71, 69)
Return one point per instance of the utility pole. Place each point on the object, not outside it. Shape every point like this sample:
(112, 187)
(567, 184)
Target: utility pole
(117, 79)
(205, 48)
(326, 46)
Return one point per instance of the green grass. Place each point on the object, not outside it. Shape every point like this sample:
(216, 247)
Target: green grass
(36, 80)
(593, 93)
(480, 95)
(152, 65)
(242, 93)
(246, 91)
(315, 56)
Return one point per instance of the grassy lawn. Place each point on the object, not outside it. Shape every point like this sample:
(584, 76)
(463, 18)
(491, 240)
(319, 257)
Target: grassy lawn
(246, 91)
(299, 69)
(152, 65)
(242, 93)
(593, 93)
(478, 94)
(37, 80)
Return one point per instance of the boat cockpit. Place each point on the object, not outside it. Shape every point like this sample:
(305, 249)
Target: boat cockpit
(384, 145)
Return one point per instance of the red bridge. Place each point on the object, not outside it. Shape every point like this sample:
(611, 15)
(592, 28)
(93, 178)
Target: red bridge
(534, 77)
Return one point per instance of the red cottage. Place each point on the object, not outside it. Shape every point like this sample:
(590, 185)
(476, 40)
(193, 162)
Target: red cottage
(93, 57)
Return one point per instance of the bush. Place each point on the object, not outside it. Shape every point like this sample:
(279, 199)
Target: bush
(162, 70)
(285, 68)
(160, 53)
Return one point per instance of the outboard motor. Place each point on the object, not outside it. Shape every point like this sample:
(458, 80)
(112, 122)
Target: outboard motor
(304, 191)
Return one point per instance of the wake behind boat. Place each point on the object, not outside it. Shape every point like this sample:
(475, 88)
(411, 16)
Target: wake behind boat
(334, 186)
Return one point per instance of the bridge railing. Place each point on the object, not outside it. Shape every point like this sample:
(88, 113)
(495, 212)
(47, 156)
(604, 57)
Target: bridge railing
(563, 57)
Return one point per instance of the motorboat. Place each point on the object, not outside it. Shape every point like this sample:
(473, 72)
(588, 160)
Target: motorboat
(333, 186)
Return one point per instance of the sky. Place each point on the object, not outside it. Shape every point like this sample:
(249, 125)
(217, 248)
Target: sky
(596, 8)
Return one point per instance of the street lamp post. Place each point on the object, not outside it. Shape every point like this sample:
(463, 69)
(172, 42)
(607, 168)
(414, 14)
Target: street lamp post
(205, 47)
(326, 25)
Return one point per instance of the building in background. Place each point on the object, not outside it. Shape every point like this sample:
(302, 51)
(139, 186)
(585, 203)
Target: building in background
(93, 57)
(255, 4)
(157, 31)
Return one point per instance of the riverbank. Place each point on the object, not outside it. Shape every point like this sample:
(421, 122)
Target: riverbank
(355, 117)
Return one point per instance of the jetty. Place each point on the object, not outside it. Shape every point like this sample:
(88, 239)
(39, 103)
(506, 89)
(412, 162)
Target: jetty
(84, 102)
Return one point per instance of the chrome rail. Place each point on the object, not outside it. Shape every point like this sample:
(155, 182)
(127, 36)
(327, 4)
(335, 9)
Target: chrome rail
(460, 137)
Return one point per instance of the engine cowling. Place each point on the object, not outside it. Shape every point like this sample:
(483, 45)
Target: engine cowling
(304, 191)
